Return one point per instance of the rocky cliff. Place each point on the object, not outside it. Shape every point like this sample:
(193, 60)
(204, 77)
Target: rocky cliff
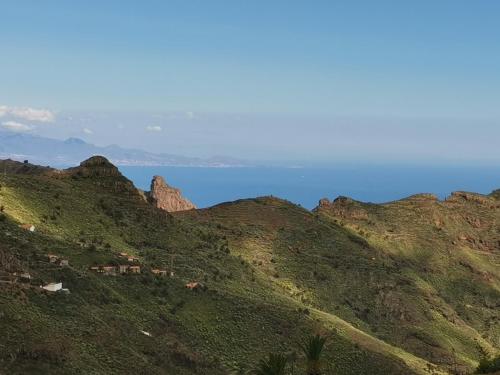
(167, 197)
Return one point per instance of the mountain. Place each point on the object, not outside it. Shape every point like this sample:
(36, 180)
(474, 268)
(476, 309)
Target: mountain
(48, 151)
(408, 287)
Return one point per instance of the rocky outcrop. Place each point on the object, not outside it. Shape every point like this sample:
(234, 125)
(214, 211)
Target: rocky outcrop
(96, 166)
(102, 173)
(422, 197)
(463, 196)
(343, 207)
(167, 197)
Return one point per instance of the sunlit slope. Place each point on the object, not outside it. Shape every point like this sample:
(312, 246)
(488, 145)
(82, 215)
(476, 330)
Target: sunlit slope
(450, 251)
(438, 304)
(89, 215)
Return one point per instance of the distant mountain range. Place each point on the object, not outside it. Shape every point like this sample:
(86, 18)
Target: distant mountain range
(48, 151)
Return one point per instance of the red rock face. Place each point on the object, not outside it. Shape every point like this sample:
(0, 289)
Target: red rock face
(167, 197)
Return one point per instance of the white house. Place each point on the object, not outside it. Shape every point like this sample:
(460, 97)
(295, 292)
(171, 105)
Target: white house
(29, 227)
(52, 287)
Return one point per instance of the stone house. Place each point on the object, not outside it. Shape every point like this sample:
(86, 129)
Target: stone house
(159, 272)
(123, 268)
(134, 269)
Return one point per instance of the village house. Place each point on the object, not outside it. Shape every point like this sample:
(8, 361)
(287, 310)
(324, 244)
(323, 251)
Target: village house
(64, 262)
(108, 270)
(134, 269)
(23, 275)
(123, 268)
(159, 272)
(28, 227)
(193, 285)
(52, 258)
(129, 257)
(52, 287)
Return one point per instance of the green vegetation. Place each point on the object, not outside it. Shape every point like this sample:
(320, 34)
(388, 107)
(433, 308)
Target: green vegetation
(489, 366)
(275, 364)
(312, 349)
(411, 287)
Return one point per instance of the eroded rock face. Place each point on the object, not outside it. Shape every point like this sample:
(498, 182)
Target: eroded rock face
(462, 196)
(343, 207)
(167, 197)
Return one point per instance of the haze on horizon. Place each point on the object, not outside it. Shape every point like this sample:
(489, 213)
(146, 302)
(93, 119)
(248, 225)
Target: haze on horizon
(326, 81)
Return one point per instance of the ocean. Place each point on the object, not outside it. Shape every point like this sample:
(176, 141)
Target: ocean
(305, 186)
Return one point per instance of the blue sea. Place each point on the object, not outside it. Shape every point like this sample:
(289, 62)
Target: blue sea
(305, 186)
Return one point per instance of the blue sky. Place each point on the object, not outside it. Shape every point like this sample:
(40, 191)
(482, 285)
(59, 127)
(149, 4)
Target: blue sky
(316, 80)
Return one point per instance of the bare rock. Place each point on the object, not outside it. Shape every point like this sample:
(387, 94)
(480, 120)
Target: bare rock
(167, 197)
(343, 207)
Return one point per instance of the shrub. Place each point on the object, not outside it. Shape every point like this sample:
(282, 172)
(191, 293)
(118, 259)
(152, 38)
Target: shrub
(488, 366)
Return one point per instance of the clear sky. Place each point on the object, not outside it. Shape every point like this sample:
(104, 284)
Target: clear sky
(297, 80)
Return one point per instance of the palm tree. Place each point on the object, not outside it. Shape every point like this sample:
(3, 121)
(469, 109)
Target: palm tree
(275, 364)
(312, 349)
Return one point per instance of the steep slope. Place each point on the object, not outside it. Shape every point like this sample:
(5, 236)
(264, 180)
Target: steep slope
(89, 215)
(449, 253)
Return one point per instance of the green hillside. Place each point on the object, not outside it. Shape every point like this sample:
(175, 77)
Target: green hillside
(412, 287)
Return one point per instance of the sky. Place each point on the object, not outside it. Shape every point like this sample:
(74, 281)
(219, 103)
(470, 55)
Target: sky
(321, 81)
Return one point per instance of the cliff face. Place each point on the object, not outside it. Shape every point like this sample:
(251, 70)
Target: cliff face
(167, 197)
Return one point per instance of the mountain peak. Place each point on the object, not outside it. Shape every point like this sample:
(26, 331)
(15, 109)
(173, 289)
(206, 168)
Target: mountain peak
(97, 161)
(75, 141)
(96, 166)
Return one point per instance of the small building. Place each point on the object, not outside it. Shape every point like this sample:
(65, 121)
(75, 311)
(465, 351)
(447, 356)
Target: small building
(130, 258)
(123, 268)
(193, 285)
(94, 268)
(64, 262)
(52, 258)
(134, 269)
(159, 272)
(28, 227)
(52, 287)
(108, 270)
(23, 275)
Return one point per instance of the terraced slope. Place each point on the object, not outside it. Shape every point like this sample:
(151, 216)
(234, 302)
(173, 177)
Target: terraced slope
(141, 323)
(449, 253)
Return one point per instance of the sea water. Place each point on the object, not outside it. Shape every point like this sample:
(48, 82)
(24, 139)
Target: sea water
(305, 186)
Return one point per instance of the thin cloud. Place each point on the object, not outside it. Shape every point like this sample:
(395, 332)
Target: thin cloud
(154, 128)
(16, 127)
(87, 131)
(27, 113)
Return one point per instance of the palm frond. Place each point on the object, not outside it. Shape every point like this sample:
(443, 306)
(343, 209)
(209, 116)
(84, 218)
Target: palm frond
(275, 364)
